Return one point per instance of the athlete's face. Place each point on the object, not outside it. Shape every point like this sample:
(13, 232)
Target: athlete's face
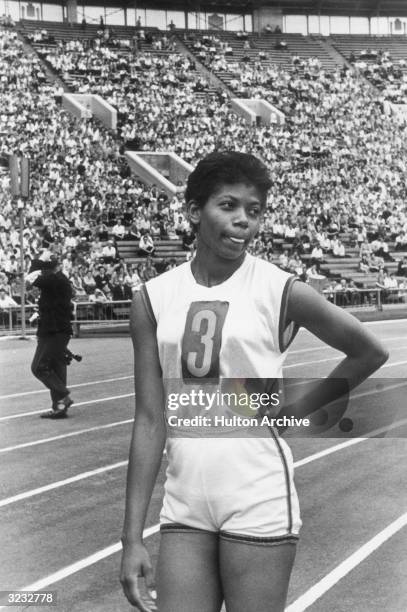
(229, 220)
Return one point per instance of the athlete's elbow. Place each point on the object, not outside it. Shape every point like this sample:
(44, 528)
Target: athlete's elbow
(379, 357)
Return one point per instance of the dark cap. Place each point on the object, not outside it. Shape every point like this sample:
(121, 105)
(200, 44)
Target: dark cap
(39, 264)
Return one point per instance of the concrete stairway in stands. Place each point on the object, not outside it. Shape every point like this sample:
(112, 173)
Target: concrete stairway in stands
(164, 251)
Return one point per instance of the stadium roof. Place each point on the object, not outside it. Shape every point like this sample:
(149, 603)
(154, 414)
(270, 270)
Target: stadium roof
(362, 8)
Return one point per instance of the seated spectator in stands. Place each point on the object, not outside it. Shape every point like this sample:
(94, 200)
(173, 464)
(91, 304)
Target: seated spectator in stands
(120, 290)
(313, 274)
(3, 279)
(149, 270)
(290, 232)
(133, 233)
(155, 230)
(381, 248)
(135, 279)
(333, 228)
(329, 292)
(302, 242)
(67, 263)
(76, 280)
(402, 267)
(102, 232)
(99, 298)
(283, 260)
(338, 248)
(376, 263)
(170, 231)
(317, 255)
(181, 225)
(401, 242)
(365, 249)
(88, 281)
(360, 236)
(269, 249)
(146, 244)
(109, 252)
(188, 240)
(402, 294)
(342, 297)
(96, 249)
(140, 270)
(295, 264)
(171, 264)
(102, 279)
(364, 264)
(324, 242)
(354, 293)
(11, 267)
(387, 283)
(118, 230)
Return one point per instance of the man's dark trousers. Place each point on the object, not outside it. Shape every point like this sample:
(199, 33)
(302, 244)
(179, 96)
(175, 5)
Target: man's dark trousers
(49, 363)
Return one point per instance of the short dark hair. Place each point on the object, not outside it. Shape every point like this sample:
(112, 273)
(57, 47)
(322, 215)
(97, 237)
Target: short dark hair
(226, 167)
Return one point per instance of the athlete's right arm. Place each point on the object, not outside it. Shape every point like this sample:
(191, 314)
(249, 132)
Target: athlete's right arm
(145, 454)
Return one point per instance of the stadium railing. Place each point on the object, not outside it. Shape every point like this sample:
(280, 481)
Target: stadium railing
(100, 314)
(90, 315)
(84, 314)
(373, 299)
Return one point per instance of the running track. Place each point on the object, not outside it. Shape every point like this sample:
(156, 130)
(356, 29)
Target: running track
(62, 483)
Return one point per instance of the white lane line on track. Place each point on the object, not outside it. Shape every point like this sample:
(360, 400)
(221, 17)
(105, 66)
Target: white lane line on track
(61, 483)
(327, 582)
(324, 347)
(80, 565)
(304, 363)
(393, 363)
(348, 443)
(341, 356)
(386, 321)
(63, 436)
(86, 384)
(76, 404)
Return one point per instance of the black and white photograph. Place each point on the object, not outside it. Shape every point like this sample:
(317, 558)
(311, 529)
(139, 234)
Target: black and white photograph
(203, 305)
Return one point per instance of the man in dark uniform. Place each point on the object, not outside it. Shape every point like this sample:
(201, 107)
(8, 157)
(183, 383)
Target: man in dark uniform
(54, 331)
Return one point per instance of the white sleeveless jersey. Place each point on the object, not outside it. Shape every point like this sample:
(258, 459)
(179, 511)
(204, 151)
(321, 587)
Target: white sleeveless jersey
(236, 329)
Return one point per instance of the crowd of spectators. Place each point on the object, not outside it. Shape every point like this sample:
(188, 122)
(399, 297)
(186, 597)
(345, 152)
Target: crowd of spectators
(384, 73)
(337, 161)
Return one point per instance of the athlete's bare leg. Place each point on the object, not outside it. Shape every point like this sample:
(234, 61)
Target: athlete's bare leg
(255, 577)
(188, 573)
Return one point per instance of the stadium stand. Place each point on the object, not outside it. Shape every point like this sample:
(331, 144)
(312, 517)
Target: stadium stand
(337, 162)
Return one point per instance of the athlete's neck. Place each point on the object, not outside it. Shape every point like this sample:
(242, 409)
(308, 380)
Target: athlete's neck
(209, 270)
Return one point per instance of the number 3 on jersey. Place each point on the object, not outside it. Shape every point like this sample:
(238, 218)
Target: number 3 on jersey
(202, 339)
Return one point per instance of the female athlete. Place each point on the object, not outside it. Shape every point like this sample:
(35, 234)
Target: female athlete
(230, 518)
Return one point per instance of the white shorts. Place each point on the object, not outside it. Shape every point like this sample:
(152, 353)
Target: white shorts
(240, 488)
